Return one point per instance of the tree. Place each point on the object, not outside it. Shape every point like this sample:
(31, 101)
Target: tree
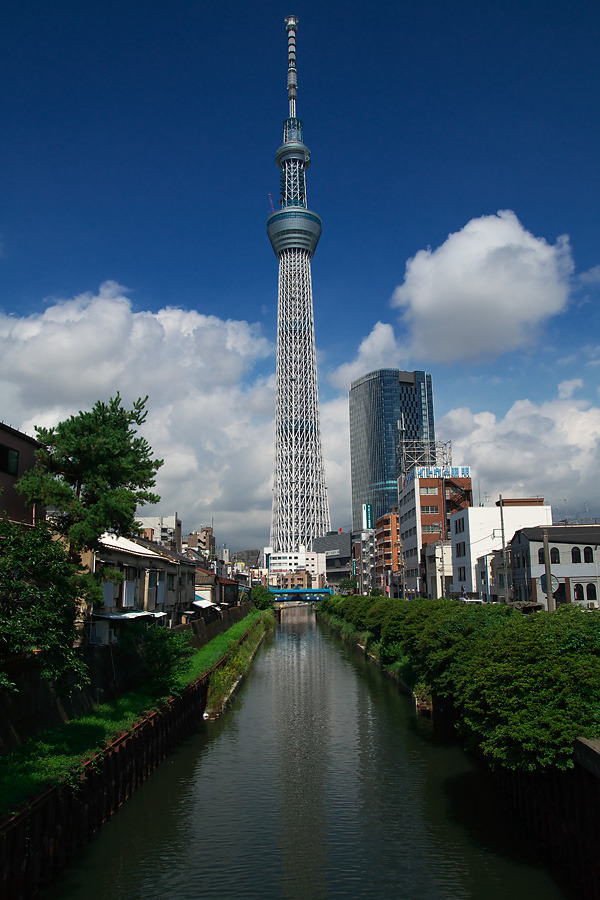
(40, 593)
(262, 597)
(348, 585)
(92, 470)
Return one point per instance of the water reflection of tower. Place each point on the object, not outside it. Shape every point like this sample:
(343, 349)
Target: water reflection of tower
(302, 728)
(300, 508)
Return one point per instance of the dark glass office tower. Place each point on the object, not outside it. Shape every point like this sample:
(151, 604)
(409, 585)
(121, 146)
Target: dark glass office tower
(386, 407)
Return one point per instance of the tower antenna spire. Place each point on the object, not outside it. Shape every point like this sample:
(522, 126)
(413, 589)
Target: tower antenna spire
(291, 24)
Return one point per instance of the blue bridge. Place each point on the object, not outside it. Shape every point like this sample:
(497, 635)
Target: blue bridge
(300, 593)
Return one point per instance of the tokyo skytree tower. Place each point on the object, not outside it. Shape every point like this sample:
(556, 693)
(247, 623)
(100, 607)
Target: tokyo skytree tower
(300, 508)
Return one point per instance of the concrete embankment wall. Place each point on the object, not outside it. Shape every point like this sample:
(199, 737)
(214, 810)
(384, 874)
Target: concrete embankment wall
(36, 706)
(39, 840)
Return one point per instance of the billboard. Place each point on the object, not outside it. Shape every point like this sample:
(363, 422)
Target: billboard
(367, 516)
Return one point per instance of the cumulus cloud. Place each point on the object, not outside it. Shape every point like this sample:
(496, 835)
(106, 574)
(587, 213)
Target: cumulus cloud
(487, 290)
(549, 449)
(210, 414)
(379, 350)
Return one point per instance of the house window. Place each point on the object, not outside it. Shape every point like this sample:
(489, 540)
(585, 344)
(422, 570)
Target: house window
(151, 579)
(590, 591)
(541, 556)
(426, 489)
(462, 573)
(9, 460)
(578, 592)
(554, 555)
(170, 582)
(588, 555)
(460, 549)
(575, 555)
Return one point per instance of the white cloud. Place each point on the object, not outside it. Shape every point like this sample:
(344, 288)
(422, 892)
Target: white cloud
(549, 450)
(566, 389)
(336, 451)
(592, 276)
(487, 290)
(379, 350)
(210, 416)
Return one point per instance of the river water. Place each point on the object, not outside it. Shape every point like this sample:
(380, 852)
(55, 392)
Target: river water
(319, 782)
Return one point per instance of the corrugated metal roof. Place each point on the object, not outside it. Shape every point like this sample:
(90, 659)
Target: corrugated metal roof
(113, 542)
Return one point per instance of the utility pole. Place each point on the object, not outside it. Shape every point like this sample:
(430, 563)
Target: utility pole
(504, 560)
(549, 594)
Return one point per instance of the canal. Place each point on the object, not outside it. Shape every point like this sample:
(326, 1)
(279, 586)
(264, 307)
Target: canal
(319, 782)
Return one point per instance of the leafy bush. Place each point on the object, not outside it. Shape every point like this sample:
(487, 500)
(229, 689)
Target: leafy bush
(262, 597)
(524, 687)
(165, 655)
(41, 590)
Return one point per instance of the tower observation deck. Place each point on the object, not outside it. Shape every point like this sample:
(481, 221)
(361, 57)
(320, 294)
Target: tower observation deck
(300, 507)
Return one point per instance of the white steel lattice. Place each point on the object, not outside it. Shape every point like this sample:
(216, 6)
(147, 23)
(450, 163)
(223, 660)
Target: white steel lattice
(300, 507)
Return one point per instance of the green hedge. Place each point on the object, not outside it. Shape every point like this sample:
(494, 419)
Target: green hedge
(524, 687)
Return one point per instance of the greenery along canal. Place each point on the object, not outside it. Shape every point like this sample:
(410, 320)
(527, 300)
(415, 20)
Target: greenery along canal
(318, 783)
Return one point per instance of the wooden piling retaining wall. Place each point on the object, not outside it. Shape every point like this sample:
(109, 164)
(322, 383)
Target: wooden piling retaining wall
(561, 814)
(39, 840)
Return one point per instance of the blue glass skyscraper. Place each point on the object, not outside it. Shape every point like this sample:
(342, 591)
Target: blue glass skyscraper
(386, 407)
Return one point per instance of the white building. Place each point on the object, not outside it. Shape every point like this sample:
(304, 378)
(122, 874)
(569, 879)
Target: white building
(476, 534)
(162, 530)
(281, 562)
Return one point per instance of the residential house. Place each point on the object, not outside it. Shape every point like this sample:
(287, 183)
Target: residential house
(16, 456)
(574, 564)
(143, 582)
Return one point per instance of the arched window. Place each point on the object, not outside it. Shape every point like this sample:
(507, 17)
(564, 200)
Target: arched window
(575, 555)
(590, 591)
(578, 592)
(554, 555)
(588, 555)
(541, 556)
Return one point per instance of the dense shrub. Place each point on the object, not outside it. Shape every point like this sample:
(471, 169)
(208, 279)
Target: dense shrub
(524, 687)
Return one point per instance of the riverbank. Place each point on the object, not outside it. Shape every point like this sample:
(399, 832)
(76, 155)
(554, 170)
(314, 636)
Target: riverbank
(558, 807)
(84, 789)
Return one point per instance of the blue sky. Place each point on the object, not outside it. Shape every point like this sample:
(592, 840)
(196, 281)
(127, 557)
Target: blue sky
(137, 158)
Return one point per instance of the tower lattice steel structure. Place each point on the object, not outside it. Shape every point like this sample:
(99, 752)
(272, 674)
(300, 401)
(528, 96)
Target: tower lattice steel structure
(300, 507)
